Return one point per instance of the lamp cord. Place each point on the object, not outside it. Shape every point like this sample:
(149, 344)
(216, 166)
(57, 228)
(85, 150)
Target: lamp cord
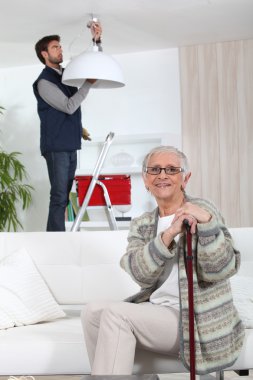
(92, 24)
(71, 45)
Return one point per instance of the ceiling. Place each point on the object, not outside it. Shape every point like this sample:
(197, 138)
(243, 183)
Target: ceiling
(128, 25)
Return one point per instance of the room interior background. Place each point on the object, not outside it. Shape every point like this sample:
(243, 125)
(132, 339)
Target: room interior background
(148, 106)
(208, 87)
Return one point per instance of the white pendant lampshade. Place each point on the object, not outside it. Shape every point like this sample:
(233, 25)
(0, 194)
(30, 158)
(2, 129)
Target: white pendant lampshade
(93, 64)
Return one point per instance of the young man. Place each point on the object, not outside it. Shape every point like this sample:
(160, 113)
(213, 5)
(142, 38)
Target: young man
(60, 123)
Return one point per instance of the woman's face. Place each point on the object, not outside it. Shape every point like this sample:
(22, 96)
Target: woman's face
(165, 186)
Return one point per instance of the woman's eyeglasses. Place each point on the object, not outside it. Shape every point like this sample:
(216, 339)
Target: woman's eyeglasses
(170, 170)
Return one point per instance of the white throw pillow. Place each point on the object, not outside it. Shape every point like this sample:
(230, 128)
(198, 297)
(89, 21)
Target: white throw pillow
(24, 296)
(242, 290)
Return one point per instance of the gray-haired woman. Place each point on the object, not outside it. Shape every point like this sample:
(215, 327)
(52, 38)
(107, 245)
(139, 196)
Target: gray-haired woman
(156, 318)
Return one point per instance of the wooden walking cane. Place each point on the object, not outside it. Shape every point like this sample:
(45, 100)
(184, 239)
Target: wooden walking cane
(189, 265)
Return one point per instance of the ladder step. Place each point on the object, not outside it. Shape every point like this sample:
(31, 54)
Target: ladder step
(95, 175)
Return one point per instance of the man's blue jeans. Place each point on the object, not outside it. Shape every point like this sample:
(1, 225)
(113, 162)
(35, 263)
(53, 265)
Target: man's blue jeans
(61, 170)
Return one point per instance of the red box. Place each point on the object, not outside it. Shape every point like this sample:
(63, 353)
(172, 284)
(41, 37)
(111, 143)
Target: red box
(118, 187)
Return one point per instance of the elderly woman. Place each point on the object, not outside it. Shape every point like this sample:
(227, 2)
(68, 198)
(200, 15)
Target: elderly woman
(156, 318)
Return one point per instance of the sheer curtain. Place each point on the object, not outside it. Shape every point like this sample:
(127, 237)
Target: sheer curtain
(217, 125)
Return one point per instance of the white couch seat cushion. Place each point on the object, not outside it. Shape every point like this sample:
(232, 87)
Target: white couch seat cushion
(60, 344)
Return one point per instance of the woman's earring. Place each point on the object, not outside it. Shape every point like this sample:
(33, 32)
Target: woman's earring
(183, 190)
(147, 188)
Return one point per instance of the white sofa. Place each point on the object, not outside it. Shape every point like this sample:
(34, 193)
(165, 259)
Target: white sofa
(79, 267)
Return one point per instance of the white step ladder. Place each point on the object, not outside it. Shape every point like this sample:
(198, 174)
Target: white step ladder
(95, 181)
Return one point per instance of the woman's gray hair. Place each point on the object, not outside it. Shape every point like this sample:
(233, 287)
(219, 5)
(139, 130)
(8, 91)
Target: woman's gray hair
(166, 149)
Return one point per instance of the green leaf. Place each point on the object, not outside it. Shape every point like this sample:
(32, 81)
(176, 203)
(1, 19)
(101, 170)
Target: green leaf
(13, 190)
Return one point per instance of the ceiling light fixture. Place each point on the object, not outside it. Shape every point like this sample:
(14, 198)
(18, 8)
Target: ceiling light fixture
(93, 64)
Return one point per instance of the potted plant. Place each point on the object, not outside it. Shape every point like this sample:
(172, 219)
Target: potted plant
(12, 189)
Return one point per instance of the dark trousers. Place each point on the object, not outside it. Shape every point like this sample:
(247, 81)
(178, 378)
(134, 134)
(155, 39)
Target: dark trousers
(61, 168)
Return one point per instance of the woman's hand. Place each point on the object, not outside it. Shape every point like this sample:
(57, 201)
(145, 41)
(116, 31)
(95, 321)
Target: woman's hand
(193, 213)
(176, 227)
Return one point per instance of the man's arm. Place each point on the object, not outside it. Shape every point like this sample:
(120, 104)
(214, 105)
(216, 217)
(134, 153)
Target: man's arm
(52, 95)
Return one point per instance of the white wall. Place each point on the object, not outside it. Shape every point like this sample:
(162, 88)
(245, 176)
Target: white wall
(149, 103)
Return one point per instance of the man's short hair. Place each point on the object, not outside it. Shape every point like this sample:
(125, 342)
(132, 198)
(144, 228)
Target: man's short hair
(42, 45)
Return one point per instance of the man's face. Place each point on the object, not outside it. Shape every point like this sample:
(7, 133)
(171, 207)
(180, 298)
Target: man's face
(53, 55)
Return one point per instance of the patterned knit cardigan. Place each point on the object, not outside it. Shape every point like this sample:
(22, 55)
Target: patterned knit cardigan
(219, 332)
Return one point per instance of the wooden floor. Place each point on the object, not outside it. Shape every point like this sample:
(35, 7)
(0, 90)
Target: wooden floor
(229, 375)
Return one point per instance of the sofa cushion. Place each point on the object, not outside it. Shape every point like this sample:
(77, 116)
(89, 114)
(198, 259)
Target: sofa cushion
(242, 290)
(24, 297)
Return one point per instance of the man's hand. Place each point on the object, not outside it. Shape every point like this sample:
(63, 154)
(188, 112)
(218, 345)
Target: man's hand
(85, 134)
(92, 81)
(96, 30)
